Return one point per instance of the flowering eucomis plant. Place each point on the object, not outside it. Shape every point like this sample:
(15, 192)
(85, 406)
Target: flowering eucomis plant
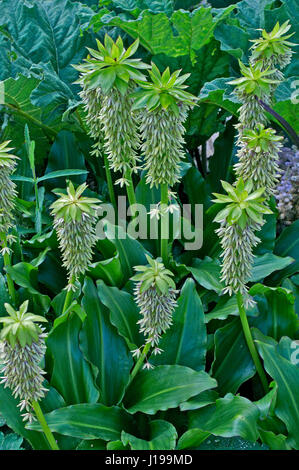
(155, 294)
(22, 347)
(242, 216)
(107, 77)
(74, 221)
(258, 155)
(273, 48)
(163, 104)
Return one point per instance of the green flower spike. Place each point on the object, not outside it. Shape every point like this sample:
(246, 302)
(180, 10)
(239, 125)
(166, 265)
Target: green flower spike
(273, 48)
(155, 294)
(255, 83)
(259, 158)
(22, 347)
(74, 222)
(8, 192)
(107, 78)
(165, 105)
(242, 216)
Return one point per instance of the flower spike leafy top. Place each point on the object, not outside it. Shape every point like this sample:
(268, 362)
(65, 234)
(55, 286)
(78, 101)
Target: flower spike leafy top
(274, 44)
(20, 326)
(255, 80)
(155, 294)
(74, 222)
(261, 139)
(111, 66)
(73, 205)
(154, 275)
(242, 204)
(164, 91)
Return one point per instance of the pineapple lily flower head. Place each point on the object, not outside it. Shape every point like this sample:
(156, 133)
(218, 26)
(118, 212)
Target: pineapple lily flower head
(111, 66)
(155, 294)
(255, 80)
(72, 206)
(243, 205)
(164, 91)
(155, 275)
(261, 139)
(20, 326)
(7, 159)
(272, 44)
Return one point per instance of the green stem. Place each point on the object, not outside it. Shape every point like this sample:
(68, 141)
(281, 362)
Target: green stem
(140, 361)
(164, 224)
(68, 297)
(130, 188)
(44, 425)
(109, 182)
(7, 263)
(250, 343)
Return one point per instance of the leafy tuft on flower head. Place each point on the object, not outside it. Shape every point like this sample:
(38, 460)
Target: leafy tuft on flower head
(255, 80)
(164, 91)
(20, 326)
(154, 275)
(73, 205)
(243, 205)
(273, 46)
(111, 66)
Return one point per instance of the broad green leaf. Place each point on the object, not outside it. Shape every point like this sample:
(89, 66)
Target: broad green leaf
(94, 444)
(207, 273)
(155, 32)
(266, 264)
(185, 342)
(10, 441)
(65, 154)
(277, 314)
(73, 376)
(286, 375)
(225, 307)
(162, 436)
(88, 421)
(232, 365)
(13, 418)
(165, 387)
(104, 348)
(287, 244)
(124, 313)
(230, 416)
(59, 173)
(131, 252)
(109, 270)
(203, 399)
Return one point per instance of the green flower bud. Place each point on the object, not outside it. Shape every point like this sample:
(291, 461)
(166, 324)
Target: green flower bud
(74, 222)
(259, 158)
(155, 295)
(7, 187)
(22, 348)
